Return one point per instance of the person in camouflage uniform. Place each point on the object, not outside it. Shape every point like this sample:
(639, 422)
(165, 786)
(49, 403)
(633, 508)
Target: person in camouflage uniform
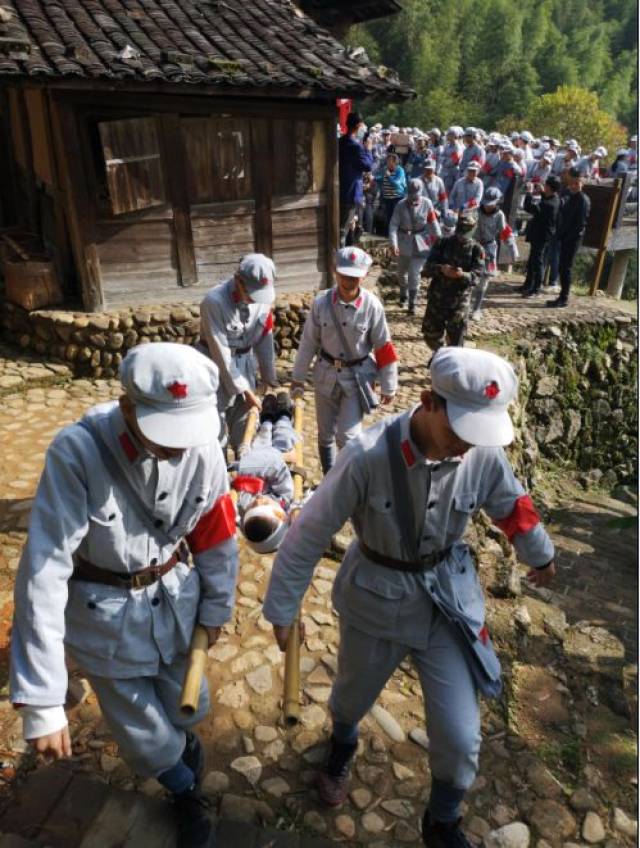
(454, 265)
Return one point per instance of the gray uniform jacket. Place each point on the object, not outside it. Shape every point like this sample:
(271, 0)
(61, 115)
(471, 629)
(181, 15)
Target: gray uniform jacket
(228, 326)
(378, 600)
(408, 221)
(434, 189)
(365, 327)
(113, 632)
(466, 194)
(473, 153)
(268, 466)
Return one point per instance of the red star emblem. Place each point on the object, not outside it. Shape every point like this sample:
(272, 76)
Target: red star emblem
(353, 257)
(178, 390)
(492, 390)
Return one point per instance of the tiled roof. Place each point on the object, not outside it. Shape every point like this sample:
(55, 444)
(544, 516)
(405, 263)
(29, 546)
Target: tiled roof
(240, 43)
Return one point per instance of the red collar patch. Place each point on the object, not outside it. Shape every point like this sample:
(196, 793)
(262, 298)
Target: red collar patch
(126, 443)
(407, 453)
(178, 390)
(492, 390)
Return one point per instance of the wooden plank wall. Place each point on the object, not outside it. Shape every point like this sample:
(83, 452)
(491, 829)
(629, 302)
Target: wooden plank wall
(222, 234)
(299, 232)
(137, 254)
(186, 193)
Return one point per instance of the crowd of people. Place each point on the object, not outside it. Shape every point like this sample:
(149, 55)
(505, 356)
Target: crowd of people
(413, 186)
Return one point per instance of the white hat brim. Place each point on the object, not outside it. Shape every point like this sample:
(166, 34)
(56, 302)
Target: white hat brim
(485, 427)
(179, 428)
(350, 271)
(264, 295)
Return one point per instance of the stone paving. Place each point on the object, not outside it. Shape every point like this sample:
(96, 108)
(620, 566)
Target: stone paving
(559, 760)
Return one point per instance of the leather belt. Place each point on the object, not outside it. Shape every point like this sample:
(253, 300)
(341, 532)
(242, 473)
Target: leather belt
(240, 351)
(90, 573)
(341, 363)
(426, 564)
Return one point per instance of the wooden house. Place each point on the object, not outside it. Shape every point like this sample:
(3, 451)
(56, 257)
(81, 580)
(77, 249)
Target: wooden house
(151, 143)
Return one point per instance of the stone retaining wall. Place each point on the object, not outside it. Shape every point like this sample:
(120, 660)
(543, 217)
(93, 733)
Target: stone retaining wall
(94, 343)
(578, 401)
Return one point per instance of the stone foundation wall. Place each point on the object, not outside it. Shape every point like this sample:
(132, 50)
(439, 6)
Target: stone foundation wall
(578, 377)
(94, 343)
(578, 402)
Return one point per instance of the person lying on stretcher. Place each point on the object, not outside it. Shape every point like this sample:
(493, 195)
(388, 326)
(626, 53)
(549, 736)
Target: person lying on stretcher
(262, 478)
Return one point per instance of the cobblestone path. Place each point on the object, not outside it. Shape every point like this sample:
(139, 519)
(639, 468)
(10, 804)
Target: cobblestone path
(559, 755)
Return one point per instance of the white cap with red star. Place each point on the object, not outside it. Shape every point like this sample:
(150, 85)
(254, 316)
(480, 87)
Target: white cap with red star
(352, 262)
(257, 273)
(174, 388)
(478, 387)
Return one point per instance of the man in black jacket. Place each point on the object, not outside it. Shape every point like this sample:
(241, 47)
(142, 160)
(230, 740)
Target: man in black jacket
(540, 230)
(572, 221)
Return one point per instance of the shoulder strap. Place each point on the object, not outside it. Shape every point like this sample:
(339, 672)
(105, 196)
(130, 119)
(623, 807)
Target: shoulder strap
(122, 481)
(343, 339)
(402, 501)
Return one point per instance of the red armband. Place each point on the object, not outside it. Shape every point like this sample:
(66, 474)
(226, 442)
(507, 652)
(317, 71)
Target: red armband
(431, 217)
(509, 173)
(475, 158)
(455, 158)
(506, 233)
(215, 526)
(442, 196)
(523, 518)
(486, 167)
(385, 355)
(268, 324)
(483, 634)
(472, 203)
(248, 483)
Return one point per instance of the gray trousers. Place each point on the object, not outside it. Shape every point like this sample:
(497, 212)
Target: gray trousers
(339, 417)
(143, 715)
(366, 663)
(408, 269)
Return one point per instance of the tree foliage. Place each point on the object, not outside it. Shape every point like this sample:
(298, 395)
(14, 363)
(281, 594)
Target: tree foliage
(476, 63)
(571, 112)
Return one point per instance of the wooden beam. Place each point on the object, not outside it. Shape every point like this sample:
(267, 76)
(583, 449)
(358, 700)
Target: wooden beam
(332, 189)
(262, 153)
(79, 208)
(33, 211)
(602, 249)
(125, 101)
(7, 164)
(173, 165)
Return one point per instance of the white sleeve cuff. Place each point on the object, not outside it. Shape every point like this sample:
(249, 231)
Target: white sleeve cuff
(41, 721)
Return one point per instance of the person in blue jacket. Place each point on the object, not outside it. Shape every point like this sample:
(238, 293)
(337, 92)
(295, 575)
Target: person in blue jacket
(393, 184)
(354, 159)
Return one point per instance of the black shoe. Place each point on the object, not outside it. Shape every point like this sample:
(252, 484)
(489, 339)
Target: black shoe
(529, 293)
(284, 405)
(193, 755)
(195, 827)
(402, 300)
(269, 411)
(443, 834)
(412, 309)
(558, 303)
(333, 779)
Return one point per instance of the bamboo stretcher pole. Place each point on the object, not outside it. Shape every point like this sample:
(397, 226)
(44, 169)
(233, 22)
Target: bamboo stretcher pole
(195, 670)
(200, 639)
(291, 699)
